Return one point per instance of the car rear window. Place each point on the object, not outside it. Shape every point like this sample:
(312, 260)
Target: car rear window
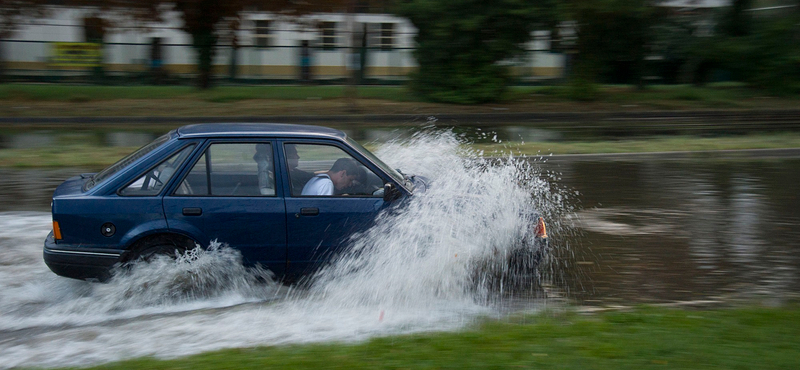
(124, 162)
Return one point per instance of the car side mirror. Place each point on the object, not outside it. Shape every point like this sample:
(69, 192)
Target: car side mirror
(390, 192)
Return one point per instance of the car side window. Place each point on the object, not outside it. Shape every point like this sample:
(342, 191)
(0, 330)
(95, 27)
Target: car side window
(155, 179)
(232, 169)
(326, 170)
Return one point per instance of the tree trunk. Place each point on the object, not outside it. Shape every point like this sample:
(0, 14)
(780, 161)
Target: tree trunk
(2, 61)
(204, 43)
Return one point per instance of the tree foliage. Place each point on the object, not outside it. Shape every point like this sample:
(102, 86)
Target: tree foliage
(461, 44)
(767, 57)
(613, 37)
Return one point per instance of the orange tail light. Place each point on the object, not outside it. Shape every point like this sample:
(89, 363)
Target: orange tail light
(56, 230)
(540, 230)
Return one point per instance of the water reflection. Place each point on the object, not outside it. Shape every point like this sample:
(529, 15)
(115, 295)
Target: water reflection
(55, 138)
(668, 231)
(31, 189)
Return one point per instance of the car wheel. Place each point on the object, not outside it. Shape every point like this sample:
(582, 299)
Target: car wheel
(153, 252)
(161, 246)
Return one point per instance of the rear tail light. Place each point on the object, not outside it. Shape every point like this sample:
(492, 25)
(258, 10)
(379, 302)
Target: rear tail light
(56, 230)
(540, 230)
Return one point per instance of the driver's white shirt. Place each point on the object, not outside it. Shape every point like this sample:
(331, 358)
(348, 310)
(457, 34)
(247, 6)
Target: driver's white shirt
(318, 185)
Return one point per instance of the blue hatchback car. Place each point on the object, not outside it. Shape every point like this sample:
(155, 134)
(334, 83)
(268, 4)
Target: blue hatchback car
(285, 196)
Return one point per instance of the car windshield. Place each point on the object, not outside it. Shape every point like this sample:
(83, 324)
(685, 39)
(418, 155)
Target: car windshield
(124, 162)
(392, 172)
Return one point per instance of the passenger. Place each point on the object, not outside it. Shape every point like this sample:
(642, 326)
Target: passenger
(341, 175)
(297, 176)
(263, 159)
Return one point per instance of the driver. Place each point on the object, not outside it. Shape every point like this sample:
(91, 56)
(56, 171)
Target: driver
(341, 175)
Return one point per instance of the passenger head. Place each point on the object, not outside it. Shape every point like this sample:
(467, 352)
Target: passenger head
(292, 159)
(262, 152)
(344, 171)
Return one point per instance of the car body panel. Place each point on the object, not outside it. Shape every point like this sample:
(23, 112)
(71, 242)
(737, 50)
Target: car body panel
(254, 226)
(271, 230)
(316, 236)
(81, 219)
(244, 130)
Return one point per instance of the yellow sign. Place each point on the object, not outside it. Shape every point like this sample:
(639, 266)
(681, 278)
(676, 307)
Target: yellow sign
(77, 54)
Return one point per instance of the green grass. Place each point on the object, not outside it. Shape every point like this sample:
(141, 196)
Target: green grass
(219, 94)
(644, 338)
(54, 92)
(56, 100)
(720, 95)
(79, 155)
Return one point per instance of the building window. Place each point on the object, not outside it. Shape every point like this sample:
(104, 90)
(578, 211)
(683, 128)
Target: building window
(263, 34)
(329, 39)
(541, 40)
(386, 38)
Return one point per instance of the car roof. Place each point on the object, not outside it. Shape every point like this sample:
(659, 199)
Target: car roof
(206, 130)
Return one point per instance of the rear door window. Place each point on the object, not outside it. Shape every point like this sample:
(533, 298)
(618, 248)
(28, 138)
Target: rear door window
(232, 169)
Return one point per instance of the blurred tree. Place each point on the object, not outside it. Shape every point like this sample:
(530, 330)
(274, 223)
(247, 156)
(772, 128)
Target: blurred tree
(737, 19)
(768, 57)
(12, 13)
(614, 36)
(461, 44)
(94, 31)
(760, 47)
(686, 42)
(673, 41)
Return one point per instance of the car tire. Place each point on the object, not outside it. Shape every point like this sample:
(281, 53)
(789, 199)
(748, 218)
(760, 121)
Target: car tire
(159, 246)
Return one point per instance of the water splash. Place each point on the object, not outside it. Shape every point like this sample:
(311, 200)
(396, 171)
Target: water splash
(198, 279)
(197, 274)
(441, 244)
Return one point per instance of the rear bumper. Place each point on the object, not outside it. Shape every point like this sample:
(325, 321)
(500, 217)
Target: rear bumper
(79, 263)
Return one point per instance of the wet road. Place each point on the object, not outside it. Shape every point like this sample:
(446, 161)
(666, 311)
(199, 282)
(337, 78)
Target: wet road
(625, 232)
(646, 231)
(666, 231)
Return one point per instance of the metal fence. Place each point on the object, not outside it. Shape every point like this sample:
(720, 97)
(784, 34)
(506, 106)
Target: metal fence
(171, 63)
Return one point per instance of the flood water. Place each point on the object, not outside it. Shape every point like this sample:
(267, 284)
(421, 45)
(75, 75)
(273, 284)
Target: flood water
(669, 231)
(622, 233)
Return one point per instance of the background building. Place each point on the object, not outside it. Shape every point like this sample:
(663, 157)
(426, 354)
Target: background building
(265, 47)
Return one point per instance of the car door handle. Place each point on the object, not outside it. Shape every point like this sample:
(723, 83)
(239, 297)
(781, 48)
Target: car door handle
(192, 211)
(309, 211)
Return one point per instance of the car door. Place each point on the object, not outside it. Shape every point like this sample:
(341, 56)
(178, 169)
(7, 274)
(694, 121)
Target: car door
(228, 195)
(321, 225)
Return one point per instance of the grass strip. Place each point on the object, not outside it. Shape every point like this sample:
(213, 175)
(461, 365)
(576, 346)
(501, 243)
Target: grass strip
(644, 338)
(531, 98)
(92, 156)
(81, 156)
(220, 94)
